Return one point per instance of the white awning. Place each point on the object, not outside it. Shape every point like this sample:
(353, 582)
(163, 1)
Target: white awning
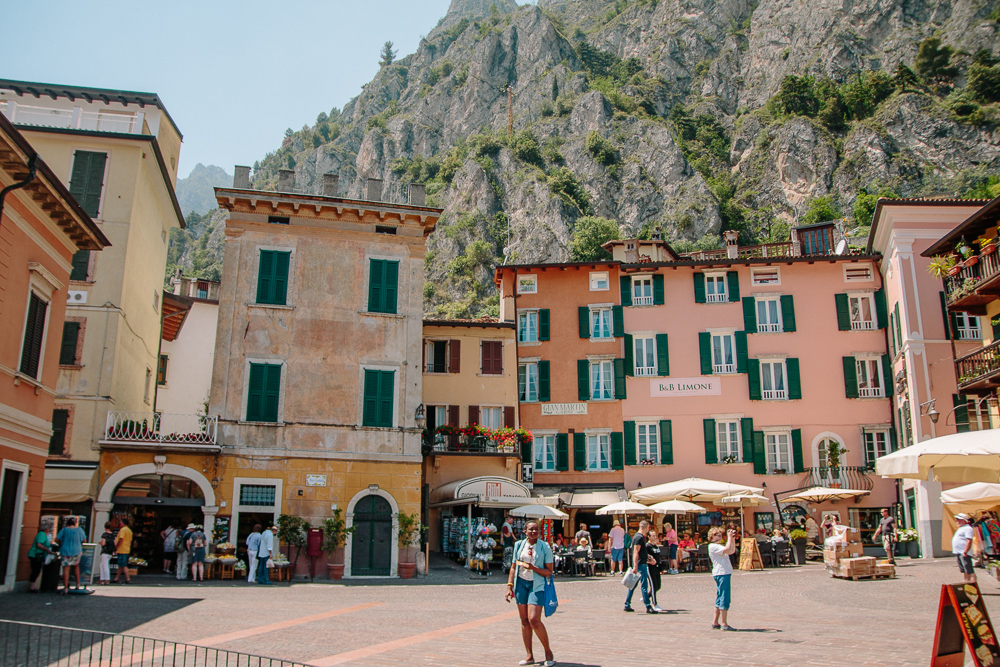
(69, 485)
(593, 499)
(487, 491)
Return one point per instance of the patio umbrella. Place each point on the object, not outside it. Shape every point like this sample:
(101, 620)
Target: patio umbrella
(676, 507)
(691, 489)
(743, 500)
(822, 494)
(960, 457)
(970, 499)
(625, 507)
(538, 512)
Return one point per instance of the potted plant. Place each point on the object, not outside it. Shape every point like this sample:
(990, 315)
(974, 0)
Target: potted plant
(798, 538)
(987, 246)
(941, 265)
(409, 533)
(833, 452)
(292, 531)
(335, 532)
(909, 538)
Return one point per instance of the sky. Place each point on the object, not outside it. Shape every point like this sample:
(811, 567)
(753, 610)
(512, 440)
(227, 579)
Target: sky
(233, 76)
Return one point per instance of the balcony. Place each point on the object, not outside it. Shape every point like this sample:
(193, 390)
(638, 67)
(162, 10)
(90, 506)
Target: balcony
(769, 327)
(775, 395)
(645, 371)
(979, 372)
(642, 300)
(73, 119)
(975, 286)
(842, 477)
(468, 444)
(763, 251)
(176, 432)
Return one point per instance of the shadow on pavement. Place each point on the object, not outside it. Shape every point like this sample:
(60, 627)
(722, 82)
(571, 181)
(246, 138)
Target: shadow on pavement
(89, 612)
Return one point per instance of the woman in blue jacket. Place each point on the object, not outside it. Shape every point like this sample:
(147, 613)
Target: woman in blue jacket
(532, 566)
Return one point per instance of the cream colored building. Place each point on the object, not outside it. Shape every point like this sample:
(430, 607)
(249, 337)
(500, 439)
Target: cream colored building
(117, 151)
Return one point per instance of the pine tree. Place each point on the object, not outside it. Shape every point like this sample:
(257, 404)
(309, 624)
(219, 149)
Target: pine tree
(387, 55)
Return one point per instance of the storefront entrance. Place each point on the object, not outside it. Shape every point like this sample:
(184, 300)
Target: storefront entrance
(11, 491)
(371, 543)
(150, 503)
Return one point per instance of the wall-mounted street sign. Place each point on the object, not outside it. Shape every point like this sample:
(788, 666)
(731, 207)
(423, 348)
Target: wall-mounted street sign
(564, 408)
(674, 387)
(315, 480)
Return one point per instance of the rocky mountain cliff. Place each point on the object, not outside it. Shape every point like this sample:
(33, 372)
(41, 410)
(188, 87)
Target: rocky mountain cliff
(195, 193)
(685, 116)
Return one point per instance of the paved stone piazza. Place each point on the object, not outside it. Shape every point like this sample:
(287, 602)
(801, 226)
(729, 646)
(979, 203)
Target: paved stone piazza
(787, 616)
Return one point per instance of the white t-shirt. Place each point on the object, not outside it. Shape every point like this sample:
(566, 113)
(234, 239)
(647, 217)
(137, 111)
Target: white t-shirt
(527, 554)
(720, 559)
(961, 539)
(617, 536)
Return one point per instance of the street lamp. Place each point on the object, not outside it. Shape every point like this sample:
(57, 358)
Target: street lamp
(927, 410)
(420, 417)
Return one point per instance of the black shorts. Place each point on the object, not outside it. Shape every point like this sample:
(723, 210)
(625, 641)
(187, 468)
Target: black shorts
(964, 563)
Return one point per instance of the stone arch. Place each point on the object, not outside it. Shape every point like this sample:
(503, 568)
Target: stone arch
(818, 477)
(349, 519)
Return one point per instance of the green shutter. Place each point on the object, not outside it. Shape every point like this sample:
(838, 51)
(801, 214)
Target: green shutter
(579, 451)
(753, 379)
(265, 276)
(272, 393)
(544, 384)
(759, 458)
(272, 277)
(890, 381)
(705, 345)
(70, 336)
(711, 450)
(617, 321)
(543, 324)
(733, 281)
(87, 180)
(746, 431)
(750, 314)
(892, 328)
(375, 277)
(527, 453)
(899, 330)
(522, 381)
(617, 451)
(34, 327)
(620, 391)
(851, 377)
(893, 442)
(666, 442)
(369, 414)
(255, 392)
(280, 296)
(390, 287)
(658, 298)
(662, 355)
(794, 380)
(625, 282)
(949, 324)
(583, 379)
(628, 433)
(741, 351)
(584, 313)
(787, 313)
(81, 262)
(562, 451)
(699, 288)
(629, 355)
(843, 312)
(797, 450)
(383, 286)
(881, 311)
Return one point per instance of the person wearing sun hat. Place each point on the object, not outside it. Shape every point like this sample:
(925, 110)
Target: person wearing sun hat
(183, 556)
(961, 546)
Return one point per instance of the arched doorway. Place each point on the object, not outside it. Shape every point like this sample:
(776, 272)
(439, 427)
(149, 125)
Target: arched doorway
(371, 542)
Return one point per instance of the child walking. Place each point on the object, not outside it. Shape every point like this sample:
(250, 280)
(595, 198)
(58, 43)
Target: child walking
(722, 572)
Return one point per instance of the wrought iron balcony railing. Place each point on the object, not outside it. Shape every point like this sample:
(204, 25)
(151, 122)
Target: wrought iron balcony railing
(979, 372)
(156, 428)
(467, 444)
(975, 286)
(841, 477)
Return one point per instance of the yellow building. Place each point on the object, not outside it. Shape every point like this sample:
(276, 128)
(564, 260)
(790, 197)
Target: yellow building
(117, 151)
(470, 374)
(316, 381)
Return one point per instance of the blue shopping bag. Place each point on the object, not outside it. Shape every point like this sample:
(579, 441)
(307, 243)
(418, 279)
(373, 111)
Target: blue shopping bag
(551, 600)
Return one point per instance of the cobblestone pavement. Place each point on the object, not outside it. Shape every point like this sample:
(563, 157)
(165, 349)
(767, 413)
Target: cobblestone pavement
(789, 616)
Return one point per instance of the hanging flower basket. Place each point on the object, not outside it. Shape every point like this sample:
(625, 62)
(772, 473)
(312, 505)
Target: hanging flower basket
(970, 261)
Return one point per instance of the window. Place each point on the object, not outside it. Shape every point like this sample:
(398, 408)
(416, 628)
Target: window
(491, 417)
(642, 291)
(81, 265)
(202, 289)
(384, 229)
(527, 327)
(876, 445)
(277, 220)
(601, 380)
(968, 327)
(545, 453)
(601, 323)
(491, 357)
(263, 391)
(383, 286)
(862, 308)
(57, 443)
(87, 180)
(34, 330)
(857, 273)
(648, 442)
(778, 450)
(527, 284)
(715, 288)
(772, 378)
(598, 452)
(437, 356)
(599, 281)
(728, 440)
(272, 277)
(378, 398)
(645, 357)
(261, 495)
(723, 353)
(437, 415)
(870, 378)
(766, 275)
(768, 315)
(161, 370)
(527, 382)
(70, 339)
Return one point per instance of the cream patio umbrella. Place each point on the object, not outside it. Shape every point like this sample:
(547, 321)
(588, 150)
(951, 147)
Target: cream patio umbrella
(676, 507)
(822, 494)
(538, 512)
(625, 507)
(961, 457)
(743, 500)
(970, 499)
(691, 489)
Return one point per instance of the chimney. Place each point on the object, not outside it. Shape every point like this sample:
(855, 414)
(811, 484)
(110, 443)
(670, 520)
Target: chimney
(374, 189)
(286, 180)
(330, 184)
(417, 191)
(732, 244)
(241, 178)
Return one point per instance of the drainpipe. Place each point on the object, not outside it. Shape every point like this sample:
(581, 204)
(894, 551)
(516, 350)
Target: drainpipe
(518, 473)
(32, 168)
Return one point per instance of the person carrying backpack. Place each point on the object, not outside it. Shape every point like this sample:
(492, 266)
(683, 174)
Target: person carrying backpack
(169, 536)
(196, 548)
(182, 552)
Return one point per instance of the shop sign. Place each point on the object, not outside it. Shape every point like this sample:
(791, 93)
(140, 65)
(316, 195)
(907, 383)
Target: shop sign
(315, 480)
(493, 490)
(527, 473)
(564, 408)
(674, 387)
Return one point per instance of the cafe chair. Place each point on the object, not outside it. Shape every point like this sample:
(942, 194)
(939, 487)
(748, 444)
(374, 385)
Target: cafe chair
(766, 554)
(702, 563)
(782, 553)
(598, 561)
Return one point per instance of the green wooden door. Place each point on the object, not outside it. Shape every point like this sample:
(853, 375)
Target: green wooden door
(371, 544)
